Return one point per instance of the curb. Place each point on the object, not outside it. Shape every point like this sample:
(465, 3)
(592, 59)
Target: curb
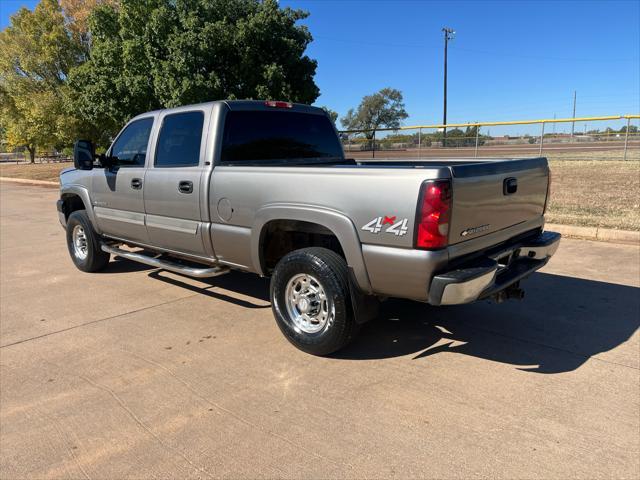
(27, 181)
(596, 233)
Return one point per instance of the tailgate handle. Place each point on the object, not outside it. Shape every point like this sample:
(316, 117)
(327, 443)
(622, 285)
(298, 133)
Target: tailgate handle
(510, 185)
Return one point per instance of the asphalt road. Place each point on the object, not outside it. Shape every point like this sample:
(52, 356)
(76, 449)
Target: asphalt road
(135, 373)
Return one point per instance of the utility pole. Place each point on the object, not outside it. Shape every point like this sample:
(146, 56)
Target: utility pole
(448, 35)
(573, 124)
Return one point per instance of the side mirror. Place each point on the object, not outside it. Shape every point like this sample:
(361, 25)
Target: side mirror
(83, 155)
(104, 161)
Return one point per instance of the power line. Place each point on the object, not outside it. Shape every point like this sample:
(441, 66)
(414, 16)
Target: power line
(485, 52)
(546, 57)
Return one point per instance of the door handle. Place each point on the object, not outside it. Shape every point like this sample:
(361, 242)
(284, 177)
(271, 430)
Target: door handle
(509, 186)
(136, 183)
(185, 186)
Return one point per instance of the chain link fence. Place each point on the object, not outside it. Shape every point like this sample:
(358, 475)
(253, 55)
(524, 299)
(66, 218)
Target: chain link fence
(615, 137)
(19, 156)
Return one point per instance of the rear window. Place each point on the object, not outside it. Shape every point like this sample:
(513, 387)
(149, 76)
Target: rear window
(254, 136)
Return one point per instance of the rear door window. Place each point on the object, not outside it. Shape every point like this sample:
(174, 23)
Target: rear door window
(179, 140)
(254, 136)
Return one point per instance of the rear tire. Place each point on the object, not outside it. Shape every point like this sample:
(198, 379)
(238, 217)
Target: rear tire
(311, 301)
(84, 243)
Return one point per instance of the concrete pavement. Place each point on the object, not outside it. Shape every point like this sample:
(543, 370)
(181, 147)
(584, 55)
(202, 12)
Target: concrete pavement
(138, 373)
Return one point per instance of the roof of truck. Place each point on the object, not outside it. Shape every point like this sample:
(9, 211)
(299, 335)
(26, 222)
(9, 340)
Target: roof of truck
(238, 105)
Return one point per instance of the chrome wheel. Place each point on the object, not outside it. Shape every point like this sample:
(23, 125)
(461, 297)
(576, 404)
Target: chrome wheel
(307, 304)
(80, 242)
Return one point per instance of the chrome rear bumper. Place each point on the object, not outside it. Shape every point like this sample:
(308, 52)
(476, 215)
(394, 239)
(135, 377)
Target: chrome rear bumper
(495, 272)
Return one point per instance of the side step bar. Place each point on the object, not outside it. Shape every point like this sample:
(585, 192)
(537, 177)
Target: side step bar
(166, 264)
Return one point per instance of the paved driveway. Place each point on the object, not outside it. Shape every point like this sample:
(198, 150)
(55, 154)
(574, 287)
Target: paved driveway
(138, 373)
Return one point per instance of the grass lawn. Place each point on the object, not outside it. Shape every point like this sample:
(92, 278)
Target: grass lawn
(598, 193)
(36, 171)
(595, 193)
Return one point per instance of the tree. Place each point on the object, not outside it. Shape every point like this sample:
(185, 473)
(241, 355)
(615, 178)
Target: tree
(36, 55)
(456, 137)
(333, 115)
(77, 13)
(165, 53)
(31, 120)
(382, 109)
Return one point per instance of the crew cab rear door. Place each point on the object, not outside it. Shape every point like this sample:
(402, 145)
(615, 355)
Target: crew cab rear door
(173, 189)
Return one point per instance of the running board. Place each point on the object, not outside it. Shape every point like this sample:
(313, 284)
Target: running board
(166, 264)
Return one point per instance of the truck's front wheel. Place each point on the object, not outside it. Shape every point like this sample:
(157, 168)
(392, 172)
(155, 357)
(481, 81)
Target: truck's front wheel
(311, 302)
(84, 244)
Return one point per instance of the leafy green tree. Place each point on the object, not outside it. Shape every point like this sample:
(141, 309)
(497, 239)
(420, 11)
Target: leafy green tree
(333, 115)
(382, 109)
(77, 13)
(36, 55)
(148, 54)
(32, 118)
(456, 137)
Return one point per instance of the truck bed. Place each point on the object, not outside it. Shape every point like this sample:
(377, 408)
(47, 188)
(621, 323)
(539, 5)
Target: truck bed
(480, 203)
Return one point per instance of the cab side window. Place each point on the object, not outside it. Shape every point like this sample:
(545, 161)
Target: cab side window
(179, 140)
(130, 148)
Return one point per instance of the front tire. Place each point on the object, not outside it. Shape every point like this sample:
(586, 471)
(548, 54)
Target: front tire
(311, 301)
(84, 244)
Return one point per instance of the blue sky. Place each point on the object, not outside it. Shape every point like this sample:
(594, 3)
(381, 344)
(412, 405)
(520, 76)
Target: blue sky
(509, 60)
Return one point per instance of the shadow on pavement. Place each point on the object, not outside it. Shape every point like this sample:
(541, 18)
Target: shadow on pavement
(242, 283)
(561, 323)
(122, 265)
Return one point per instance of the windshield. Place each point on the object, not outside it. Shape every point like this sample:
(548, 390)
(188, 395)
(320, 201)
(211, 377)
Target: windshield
(254, 136)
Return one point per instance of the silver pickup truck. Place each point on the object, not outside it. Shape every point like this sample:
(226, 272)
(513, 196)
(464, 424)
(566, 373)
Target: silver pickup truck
(264, 187)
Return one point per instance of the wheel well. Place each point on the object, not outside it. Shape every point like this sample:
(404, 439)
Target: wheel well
(71, 203)
(280, 237)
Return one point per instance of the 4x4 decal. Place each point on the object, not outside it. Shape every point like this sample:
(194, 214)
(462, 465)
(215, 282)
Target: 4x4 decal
(377, 225)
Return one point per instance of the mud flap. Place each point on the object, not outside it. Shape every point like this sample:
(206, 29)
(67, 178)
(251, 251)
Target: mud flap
(365, 307)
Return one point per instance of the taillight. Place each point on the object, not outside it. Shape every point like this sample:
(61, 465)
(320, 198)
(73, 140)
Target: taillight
(434, 211)
(278, 104)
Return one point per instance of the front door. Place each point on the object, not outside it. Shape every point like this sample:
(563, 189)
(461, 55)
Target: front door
(173, 190)
(118, 190)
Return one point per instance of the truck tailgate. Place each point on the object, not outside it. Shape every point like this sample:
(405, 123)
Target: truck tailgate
(491, 196)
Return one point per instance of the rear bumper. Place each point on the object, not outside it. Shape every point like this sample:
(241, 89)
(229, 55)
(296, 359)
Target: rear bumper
(496, 271)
